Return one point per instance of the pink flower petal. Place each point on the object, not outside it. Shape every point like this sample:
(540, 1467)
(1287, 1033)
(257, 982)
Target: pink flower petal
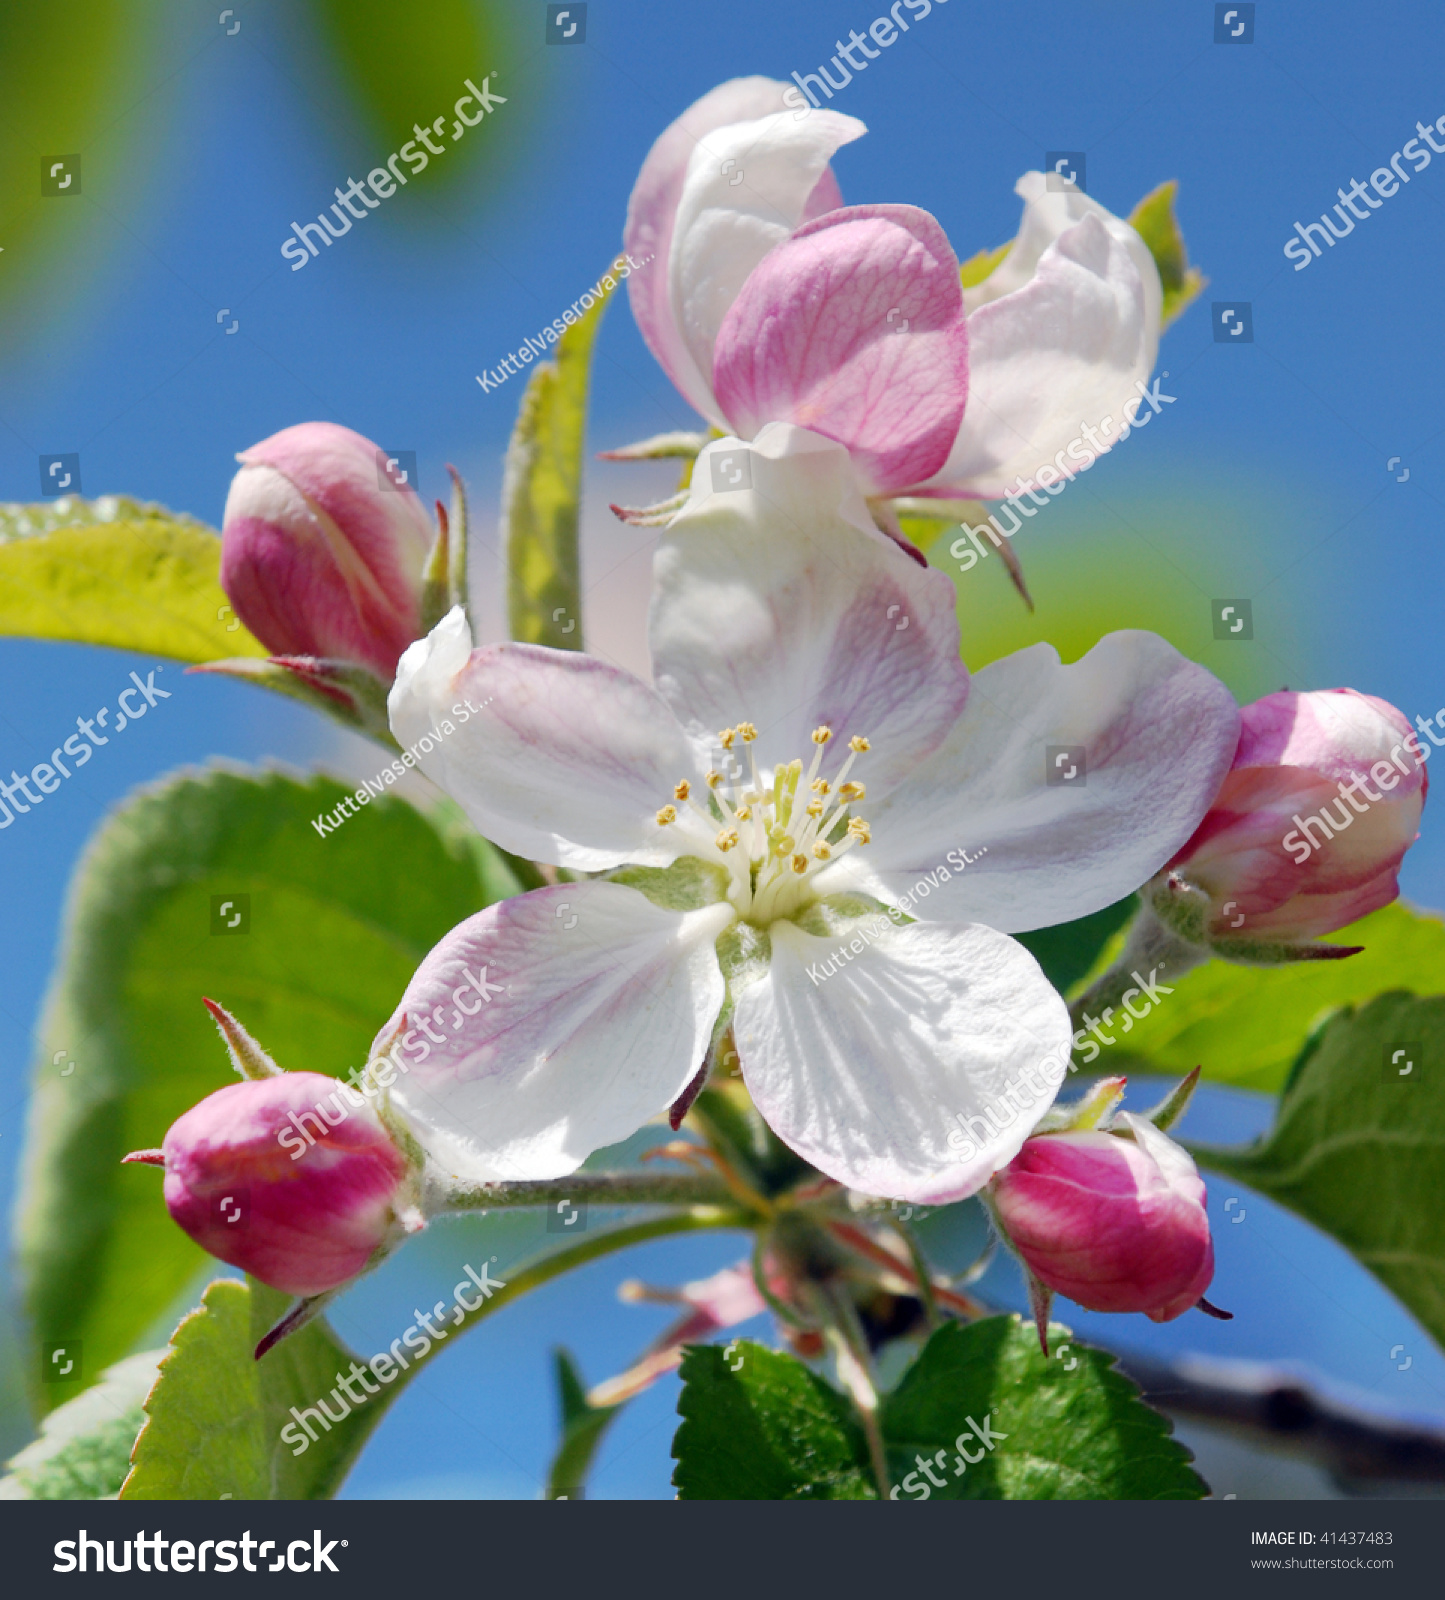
(853, 328)
(652, 215)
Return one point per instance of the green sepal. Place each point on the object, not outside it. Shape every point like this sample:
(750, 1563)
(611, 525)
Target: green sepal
(1154, 221)
(350, 693)
(689, 884)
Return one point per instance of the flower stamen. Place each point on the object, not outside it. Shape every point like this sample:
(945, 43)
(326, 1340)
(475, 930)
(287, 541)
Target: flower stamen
(774, 833)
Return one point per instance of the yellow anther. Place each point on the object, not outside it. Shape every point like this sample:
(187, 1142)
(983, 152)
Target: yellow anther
(860, 830)
(821, 852)
(821, 786)
(666, 815)
(858, 744)
(800, 863)
(852, 791)
(783, 844)
(713, 779)
(726, 839)
(726, 737)
(814, 808)
(822, 735)
(744, 813)
(681, 790)
(747, 732)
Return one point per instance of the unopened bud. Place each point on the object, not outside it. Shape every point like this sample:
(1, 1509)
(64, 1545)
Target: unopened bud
(1114, 1223)
(1309, 828)
(322, 553)
(292, 1178)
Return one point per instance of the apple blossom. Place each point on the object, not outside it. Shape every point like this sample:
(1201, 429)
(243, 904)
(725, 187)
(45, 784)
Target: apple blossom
(317, 556)
(772, 302)
(1309, 828)
(747, 883)
(304, 1223)
(1113, 1220)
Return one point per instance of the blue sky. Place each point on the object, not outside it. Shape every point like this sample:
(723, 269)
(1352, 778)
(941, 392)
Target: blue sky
(1275, 455)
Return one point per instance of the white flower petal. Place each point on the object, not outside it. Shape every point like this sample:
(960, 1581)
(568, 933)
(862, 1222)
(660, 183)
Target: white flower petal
(605, 1011)
(553, 754)
(1157, 735)
(781, 604)
(867, 1072)
(1067, 328)
(1048, 215)
(747, 188)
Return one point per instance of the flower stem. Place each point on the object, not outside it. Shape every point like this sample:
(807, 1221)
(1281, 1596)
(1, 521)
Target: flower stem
(596, 1188)
(1149, 945)
(855, 1371)
(518, 1283)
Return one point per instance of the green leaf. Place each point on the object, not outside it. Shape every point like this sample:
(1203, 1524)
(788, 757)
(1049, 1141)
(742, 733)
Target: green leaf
(1069, 949)
(542, 487)
(1358, 1148)
(406, 66)
(1154, 220)
(769, 1430)
(583, 1426)
(1075, 1428)
(68, 76)
(83, 1452)
(214, 1419)
(1246, 1025)
(1065, 1428)
(115, 572)
(337, 926)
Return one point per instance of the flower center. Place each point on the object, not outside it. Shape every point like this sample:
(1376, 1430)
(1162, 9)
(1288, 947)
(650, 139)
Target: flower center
(773, 837)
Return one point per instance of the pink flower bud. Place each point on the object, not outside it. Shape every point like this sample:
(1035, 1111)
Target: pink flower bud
(322, 552)
(303, 1215)
(1116, 1224)
(1308, 831)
